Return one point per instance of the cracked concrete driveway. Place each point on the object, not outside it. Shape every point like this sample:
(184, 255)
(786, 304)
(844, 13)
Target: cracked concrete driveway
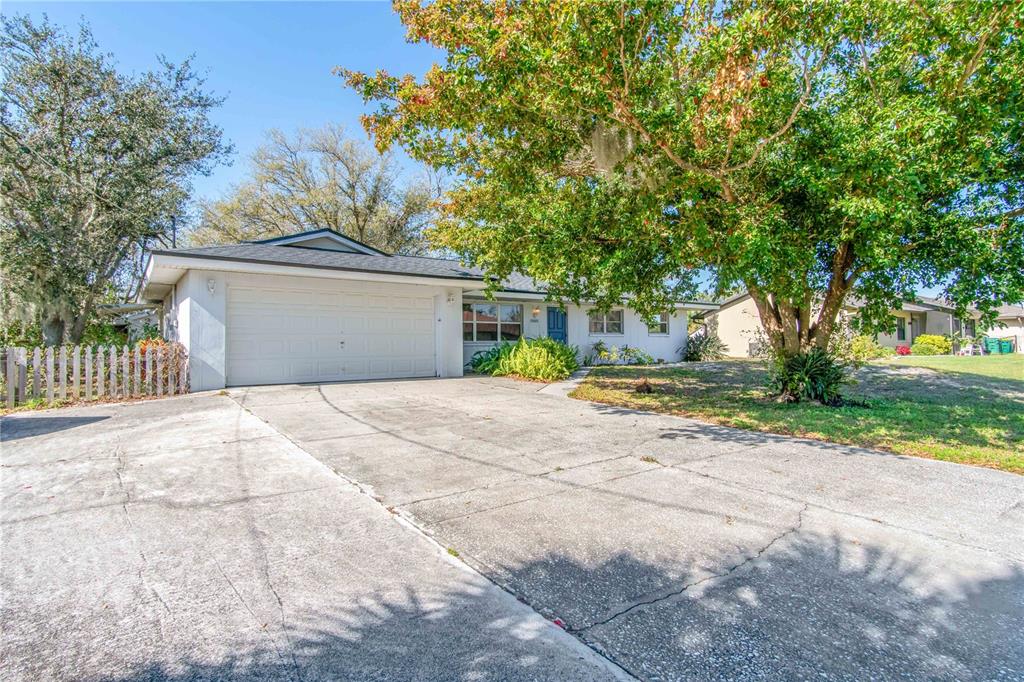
(203, 538)
(681, 550)
(185, 539)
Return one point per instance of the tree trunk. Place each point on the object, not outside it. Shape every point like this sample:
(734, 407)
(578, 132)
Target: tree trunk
(53, 330)
(792, 326)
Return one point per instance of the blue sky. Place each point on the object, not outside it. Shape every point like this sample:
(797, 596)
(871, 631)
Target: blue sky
(272, 60)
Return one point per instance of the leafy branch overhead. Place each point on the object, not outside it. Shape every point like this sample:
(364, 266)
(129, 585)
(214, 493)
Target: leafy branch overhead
(804, 151)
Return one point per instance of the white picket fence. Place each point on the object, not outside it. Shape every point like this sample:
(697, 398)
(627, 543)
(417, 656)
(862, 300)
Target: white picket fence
(75, 373)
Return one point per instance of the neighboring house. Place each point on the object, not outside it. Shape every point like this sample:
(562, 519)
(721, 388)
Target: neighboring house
(1010, 324)
(737, 323)
(131, 318)
(319, 306)
(929, 316)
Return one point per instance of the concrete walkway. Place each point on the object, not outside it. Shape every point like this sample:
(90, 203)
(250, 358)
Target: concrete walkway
(682, 550)
(185, 539)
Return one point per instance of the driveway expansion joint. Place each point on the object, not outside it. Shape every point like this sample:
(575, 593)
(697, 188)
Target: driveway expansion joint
(408, 520)
(850, 514)
(686, 586)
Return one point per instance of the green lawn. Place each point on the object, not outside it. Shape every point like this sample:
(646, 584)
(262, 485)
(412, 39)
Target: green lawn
(967, 410)
(1009, 366)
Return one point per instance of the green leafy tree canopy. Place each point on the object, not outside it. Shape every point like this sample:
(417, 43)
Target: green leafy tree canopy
(93, 166)
(806, 151)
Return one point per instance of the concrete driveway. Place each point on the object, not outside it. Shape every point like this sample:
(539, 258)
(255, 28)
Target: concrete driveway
(682, 550)
(195, 538)
(185, 539)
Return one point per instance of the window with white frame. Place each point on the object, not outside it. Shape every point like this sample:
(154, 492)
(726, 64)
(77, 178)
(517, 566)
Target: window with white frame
(492, 322)
(660, 326)
(606, 323)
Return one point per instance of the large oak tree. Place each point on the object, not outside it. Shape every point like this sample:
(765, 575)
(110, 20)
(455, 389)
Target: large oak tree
(94, 165)
(321, 178)
(807, 151)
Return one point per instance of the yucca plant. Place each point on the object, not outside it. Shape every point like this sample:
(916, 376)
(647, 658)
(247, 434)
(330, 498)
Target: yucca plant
(811, 375)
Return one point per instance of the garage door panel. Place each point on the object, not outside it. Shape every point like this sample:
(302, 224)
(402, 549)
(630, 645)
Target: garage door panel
(288, 334)
(328, 324)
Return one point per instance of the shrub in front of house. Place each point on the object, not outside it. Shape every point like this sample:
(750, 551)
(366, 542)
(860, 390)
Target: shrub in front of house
(542, 359)
(902, 350)
(931, 344)
(864, 348)
(617, 355)
(702, 347)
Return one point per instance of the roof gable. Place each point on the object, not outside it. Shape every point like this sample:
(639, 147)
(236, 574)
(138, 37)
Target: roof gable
(326, 239)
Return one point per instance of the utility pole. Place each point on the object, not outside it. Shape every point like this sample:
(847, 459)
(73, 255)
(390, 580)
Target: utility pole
(174, 231)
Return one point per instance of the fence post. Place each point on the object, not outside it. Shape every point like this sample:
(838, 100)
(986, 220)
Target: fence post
(49, 374)
(159, 372)
(63, 372)
(113, 372)
(76, 366)
(88, 373)
(36, 361)
(138, 371)
(10, 378)
(172, 375)
(126, 374)
(149, 371)
(22, 373)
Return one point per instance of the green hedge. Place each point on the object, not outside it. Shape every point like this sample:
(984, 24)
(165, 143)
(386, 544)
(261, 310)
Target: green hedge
(541, 359)
(864, 348)
(931, 344)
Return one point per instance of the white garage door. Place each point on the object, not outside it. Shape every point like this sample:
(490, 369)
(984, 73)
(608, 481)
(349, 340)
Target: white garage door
(292, 335)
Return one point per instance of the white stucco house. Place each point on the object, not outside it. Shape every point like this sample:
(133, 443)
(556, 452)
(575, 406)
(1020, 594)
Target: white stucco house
(319, 306)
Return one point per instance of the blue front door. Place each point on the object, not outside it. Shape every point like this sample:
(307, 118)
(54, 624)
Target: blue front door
(556, 325)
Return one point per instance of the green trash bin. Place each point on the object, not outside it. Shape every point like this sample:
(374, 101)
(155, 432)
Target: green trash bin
(1005, 346)
(992, 345)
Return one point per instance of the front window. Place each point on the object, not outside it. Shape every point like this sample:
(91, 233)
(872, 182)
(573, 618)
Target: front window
(969, 328)
(901, 329)
(491, 322)
(660, 326)
(606, 323)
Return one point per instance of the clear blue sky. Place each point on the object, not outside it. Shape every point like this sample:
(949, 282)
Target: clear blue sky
(272, 60)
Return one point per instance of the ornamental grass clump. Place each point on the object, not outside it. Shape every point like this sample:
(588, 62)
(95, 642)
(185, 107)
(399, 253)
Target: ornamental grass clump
(541, 359)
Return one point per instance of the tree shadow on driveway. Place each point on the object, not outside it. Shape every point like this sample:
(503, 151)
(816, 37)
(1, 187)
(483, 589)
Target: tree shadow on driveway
(813, 606)
(13, 428)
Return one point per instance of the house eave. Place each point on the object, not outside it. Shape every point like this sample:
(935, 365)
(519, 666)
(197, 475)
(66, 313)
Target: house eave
(166, 268)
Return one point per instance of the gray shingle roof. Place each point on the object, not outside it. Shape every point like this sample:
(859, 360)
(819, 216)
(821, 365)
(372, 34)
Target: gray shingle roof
(416, 266)
(1010, 311)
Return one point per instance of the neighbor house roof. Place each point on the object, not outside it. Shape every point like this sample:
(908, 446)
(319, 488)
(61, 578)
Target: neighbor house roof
(923, 304)
(1009, 312)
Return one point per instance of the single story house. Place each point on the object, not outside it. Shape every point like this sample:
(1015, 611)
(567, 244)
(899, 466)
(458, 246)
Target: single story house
(737, 322)
(1010, 324)
(320, 306)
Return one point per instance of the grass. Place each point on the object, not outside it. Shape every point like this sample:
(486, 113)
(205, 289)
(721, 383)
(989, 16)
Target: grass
(966, 410)
(1010, 366)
